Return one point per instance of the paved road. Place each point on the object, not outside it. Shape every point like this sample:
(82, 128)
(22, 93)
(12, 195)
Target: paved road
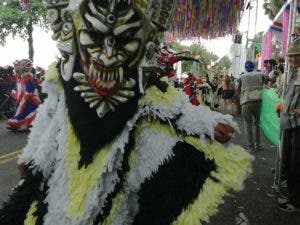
(11, 140)
(11, 144)
(255, 205)
(9, 177)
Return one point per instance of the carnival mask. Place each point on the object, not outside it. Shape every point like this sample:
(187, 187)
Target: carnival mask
(110, 38)
(22, 67)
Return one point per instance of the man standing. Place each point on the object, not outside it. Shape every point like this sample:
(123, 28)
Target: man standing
(250, 86)
(290, 127)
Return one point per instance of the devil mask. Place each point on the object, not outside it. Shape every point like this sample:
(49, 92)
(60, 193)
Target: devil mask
(110, 38)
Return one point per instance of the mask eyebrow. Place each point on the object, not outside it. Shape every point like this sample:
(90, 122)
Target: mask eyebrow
(97, 23)
(125, 18)
(121, 29)
(97, 12)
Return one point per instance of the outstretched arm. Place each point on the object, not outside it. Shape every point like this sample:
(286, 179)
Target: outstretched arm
(186, 58)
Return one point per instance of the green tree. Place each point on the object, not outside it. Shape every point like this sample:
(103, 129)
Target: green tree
(206, 57)
(224, 63)
(17, 22)
(272, 7)
(199, 52)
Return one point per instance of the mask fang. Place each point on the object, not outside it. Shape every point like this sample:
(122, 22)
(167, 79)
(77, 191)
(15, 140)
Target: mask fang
(140, 80)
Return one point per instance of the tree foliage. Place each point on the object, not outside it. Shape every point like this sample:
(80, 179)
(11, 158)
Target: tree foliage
(224, 63)
(14, 20)
(17, 22)
(272, 7)
(197, 51)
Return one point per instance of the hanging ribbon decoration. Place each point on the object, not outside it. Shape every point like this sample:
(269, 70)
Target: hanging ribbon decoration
(205, 18)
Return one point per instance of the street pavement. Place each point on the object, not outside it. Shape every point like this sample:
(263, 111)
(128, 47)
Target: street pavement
(11, 144)
(254, 205)
(11, 140)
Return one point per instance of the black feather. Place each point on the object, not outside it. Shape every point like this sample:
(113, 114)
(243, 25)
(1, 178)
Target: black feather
(15, 209)
(94, 132)
(121, 174)
(176, 184)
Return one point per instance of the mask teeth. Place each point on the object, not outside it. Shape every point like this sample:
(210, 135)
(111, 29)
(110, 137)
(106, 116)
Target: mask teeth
(142, 91)
(121, 74)
(102, 109)
(125, 93)
(130, 83)
(121, 99)
(93, 104)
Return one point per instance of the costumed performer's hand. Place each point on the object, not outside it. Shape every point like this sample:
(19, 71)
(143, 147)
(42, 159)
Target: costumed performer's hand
(223, 132)
(22, 167)
(296, 112)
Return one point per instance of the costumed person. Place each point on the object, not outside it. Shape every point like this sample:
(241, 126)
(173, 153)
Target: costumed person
(120, 145)
(38, 78)
(166, 60)
(25, 95)
(290, 131)
(227, 93)
(190, 89)
(202, 90)
(250, 87)
(213, 99)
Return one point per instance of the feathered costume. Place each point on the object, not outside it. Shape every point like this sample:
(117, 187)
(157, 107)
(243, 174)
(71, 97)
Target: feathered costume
(25, 95)
(117, 145)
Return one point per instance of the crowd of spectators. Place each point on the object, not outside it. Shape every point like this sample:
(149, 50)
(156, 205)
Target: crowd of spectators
(216, 91)
(6, 85)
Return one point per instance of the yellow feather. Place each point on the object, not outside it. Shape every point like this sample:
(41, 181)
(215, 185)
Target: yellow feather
(30, 218)
(81, 181)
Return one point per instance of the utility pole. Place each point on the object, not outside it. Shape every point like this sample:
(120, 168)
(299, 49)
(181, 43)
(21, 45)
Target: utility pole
(256, 11)
(249, 7)
(255, 25)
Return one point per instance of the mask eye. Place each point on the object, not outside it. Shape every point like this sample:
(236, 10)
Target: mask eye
(128, 34)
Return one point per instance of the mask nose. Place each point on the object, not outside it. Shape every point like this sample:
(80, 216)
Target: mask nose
(109, 43)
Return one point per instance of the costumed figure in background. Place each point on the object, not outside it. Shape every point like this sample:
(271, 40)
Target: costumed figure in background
(190, 88)
(212, 98)
(120, 146)
(166, 60)
(38, 79)
(25, 95)
(227, 94)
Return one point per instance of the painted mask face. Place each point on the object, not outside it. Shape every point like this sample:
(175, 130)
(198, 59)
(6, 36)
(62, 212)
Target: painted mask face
(25, 67)
(111, 42)
(110, 38)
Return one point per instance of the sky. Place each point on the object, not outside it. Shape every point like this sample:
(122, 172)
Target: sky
(46, 51)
